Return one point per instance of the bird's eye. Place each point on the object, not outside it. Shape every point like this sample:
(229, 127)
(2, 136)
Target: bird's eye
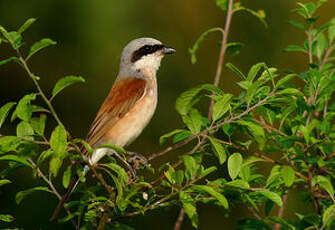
(147, 48)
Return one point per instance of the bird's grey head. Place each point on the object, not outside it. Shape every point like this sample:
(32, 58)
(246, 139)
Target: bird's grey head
(143, 54)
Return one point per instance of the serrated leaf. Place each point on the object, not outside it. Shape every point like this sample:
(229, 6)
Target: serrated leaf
(221, 198)
(207, 171)
(37, 46)
(65, 82)
(271, 196)
(67, 177)
(4, 181)
(6, 218)
(21, 195)
(236, 70)
(190, 166)
(4, 110)
(189, 207)
(288, 175)
(219, 150)
(221, 106)
(166, 136)
(324, 183)
(58, 140)
(234, 165)
(169, 174)
(26, 25)
(44, 155)
(24, 109)
(15, 39)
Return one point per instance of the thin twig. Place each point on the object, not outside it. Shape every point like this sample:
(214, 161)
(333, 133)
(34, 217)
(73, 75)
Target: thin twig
(281, 211)
(222, 53)
(180, 219)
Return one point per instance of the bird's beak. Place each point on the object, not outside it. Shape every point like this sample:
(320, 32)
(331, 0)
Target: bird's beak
(168, 50)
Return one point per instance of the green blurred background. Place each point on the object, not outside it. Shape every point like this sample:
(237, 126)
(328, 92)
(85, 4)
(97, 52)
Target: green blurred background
(91, 35)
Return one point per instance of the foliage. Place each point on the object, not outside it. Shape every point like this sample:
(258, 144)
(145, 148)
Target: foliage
(285, 124)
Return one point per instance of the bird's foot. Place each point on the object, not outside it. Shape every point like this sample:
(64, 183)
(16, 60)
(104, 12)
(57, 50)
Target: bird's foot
(137, 160)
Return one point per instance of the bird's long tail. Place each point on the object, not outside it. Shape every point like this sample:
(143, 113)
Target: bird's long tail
(72, 186)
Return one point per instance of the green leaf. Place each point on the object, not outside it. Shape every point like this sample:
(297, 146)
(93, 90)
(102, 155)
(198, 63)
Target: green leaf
(38, 124)
(295, 48)
(65, 82)
(325, 184)
(223, 4)
(24, 129)
(194, 49)
(190, 97)
(291, 91)
(190, 166)
(221, 106)
(5, 61)
(297, 24)
(328, 215)
(238, 184)
(9, 143)
(4, 181)
(4, 110)
(15, 39)
(179, 177)
(169, 174)
(21, 195)
(260, 14)
(26, 25)
(284, 80)
(236, 70)
(189, 207)
(331, 30)
(122, 174)
(58, 140)
(37, 46)
(256, 131)
(221, 198)
(271, 196)
(288, 175)
(166, 136)
(234, 48)
(193, 121)
(54, 165)
(113, 147)
(6, 218)
(254, 70)
(24, 109)
(321, 45)
(16, 159)
(67, 177)
(207, 171)
(234, 165)
(45, 155)
(219, 150)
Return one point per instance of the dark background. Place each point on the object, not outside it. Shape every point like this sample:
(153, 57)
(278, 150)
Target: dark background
(91, 35)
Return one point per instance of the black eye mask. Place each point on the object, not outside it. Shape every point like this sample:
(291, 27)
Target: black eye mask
(145, 50)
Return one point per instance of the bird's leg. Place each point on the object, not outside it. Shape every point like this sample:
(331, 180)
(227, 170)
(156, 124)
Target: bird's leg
(125, 162)
(137, 159)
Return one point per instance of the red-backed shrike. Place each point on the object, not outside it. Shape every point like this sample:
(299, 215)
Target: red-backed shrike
(130, 104)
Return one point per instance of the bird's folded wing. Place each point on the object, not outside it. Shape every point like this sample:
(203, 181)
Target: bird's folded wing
(122, 97)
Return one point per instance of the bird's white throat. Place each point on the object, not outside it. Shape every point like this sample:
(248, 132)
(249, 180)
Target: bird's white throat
(149, 63)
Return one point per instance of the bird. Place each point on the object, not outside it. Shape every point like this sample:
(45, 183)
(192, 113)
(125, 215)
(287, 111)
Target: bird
(129, 106)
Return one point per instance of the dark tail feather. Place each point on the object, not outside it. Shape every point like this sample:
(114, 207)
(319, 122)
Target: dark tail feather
(70, 189)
